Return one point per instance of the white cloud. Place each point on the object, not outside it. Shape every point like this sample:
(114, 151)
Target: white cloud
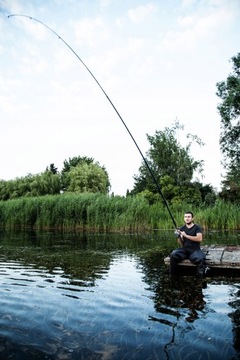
(138, 14)
(135, 44)
(107, 61)
(188, 3)
(32, 27)
(11, 6)
(5, 104)
(174, 40)
(64, 59)
(30, 64)
(91, 31)
(186, 21)
(204, 23)
(105, 3)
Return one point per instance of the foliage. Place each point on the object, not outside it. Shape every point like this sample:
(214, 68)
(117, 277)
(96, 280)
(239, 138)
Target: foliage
(87, 178)
(221, 216)
(229, 110)
(231, 187)
(85, 211)
(103, 213)
(79, 174)
(52, 168)
(91, 173)
(173, 168)
(30, 185)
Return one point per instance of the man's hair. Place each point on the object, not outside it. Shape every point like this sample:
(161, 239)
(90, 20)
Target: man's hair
(189, 212)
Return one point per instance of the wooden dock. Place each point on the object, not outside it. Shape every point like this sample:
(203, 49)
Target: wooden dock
(217, 256)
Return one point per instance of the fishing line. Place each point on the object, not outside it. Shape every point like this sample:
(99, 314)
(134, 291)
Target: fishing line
(145, 161)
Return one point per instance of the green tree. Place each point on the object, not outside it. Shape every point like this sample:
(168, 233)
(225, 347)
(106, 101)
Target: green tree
(31, 185)
(52, 168)
(171, 163)
(74, 162)
(229, 110)
(87, 178)
(231, 186)
(70, 163)
(79, 174)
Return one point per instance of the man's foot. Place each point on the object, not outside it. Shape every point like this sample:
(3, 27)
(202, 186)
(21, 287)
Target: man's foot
(201, 272)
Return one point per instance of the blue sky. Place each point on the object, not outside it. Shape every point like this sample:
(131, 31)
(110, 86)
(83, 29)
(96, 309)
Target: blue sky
(157, 60)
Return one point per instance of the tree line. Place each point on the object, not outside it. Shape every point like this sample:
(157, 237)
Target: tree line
(79, 175)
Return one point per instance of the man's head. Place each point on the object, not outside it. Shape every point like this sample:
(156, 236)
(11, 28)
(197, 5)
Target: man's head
(188, 217)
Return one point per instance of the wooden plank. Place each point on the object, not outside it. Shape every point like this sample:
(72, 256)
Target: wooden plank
(217, 256)
(214, 256)
(231, 257)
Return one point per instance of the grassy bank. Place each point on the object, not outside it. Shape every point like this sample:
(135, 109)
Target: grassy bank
(101, 213)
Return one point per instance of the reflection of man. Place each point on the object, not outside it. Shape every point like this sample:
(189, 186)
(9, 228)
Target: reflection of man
(190, 237)
(189, 297)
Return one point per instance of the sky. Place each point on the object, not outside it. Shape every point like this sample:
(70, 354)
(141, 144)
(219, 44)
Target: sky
(158, 61)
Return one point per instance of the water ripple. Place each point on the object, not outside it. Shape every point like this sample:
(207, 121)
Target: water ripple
(51, 314)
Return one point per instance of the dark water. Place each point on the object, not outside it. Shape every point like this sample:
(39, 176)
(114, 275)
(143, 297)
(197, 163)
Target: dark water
(104, 297)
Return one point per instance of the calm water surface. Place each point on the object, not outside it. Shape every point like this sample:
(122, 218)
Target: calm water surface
(109, 297)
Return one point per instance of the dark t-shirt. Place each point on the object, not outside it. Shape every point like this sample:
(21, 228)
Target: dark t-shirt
(192, 231)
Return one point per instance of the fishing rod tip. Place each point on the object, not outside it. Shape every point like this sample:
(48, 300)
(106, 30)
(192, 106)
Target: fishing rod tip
(30, 17)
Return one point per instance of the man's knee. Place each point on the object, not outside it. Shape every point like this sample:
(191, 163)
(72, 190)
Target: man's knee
(177, 255)
(197, 257)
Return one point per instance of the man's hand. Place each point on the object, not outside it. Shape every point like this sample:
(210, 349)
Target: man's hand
(197, 237)
(179, 235)
(182, 233)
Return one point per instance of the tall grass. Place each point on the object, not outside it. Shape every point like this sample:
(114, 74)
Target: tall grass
(101, 213)
(221, 216)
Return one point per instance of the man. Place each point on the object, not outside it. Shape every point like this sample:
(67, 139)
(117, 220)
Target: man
(189, 237)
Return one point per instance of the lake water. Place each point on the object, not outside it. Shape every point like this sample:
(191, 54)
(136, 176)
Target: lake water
(76, 296)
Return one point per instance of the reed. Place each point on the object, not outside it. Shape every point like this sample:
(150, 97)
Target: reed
(102, 213)
(221, 216)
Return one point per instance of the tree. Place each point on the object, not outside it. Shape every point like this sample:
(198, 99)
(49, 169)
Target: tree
(52, 168)
(229, 110)
(172, 165)
(31, 185)
(69, 165)
(79, 174)
(76, 160)
(231, 186)
(87, 178)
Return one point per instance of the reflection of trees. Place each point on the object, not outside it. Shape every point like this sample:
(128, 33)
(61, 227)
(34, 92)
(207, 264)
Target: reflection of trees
(235, 317)
(78, 257)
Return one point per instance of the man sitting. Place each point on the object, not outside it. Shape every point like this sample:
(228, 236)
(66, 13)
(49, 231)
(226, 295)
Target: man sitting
(189, 237)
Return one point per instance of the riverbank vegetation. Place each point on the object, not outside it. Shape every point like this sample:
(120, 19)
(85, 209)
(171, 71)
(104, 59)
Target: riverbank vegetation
(103, 213)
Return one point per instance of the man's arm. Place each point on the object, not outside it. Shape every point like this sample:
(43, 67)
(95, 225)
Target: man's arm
(198, 237)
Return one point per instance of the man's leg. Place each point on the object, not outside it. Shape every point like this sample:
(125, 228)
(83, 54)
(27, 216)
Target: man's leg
(177, 256)
(198, 258)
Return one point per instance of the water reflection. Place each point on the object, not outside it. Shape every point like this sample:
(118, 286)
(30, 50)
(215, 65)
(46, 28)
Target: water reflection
(235, 315)
(196, 310)
(65, 296)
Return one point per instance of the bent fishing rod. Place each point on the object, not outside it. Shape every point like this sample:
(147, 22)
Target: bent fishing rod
(89, 71)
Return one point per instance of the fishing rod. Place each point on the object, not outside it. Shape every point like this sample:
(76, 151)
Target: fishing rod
(145, 161)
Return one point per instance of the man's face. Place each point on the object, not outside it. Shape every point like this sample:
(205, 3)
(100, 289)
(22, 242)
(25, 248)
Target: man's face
(188, 218)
